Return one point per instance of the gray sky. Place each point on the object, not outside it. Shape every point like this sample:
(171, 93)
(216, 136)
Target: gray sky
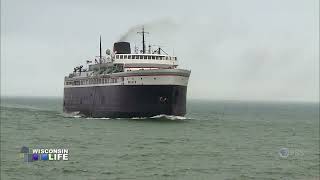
(237, 50)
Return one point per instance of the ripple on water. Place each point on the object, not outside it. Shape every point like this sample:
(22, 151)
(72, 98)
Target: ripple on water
(207, 146)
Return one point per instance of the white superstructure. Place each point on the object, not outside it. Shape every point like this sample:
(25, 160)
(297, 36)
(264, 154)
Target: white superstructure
(129, 69)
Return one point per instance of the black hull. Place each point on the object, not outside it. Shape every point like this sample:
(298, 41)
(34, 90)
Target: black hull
(126, 101)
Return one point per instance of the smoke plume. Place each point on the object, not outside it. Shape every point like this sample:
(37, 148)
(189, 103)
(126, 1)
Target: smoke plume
(247, 61)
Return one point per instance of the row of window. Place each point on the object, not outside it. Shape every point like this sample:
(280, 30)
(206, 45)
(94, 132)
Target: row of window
(92, 81)
(88, 100)
(145, 57)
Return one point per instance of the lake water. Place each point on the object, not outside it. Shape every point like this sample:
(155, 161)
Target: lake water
(216, 140)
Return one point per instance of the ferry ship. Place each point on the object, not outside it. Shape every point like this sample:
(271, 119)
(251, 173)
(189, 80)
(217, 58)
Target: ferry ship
(122, 84)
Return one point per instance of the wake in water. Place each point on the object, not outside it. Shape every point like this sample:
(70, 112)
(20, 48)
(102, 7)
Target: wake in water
(159, 117)
(169, 117)
(75, 114)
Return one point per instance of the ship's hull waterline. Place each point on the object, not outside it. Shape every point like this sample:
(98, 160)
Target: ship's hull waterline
(126, 101)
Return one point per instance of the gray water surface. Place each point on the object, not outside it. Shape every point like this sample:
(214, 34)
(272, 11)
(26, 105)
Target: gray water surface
(216, 140)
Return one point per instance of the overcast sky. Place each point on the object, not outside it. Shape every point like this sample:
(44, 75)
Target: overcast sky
(236, 50)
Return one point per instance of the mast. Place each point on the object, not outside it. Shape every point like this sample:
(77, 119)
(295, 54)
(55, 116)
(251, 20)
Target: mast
(143, 41)
(100, 50)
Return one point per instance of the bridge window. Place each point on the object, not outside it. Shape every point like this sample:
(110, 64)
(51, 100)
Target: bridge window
(149, 57)
(140, 57)
(129, 57)
(121, 56)
(117, 56)
(125, 56)
(153, 57)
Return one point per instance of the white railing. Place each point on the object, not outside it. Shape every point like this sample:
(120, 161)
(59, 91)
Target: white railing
(144, 57)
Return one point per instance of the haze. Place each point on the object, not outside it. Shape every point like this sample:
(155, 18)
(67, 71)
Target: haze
(237, 50)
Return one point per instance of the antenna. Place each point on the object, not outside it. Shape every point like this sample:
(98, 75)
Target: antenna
(159, 49)
(149, 51)
(100, 50)
(143, 42)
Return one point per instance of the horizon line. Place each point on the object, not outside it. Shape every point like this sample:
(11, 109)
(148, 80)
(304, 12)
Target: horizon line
(192, 99)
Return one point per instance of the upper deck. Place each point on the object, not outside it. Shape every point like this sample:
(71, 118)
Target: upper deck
(120, 59)
(131, 60)
(144, 56)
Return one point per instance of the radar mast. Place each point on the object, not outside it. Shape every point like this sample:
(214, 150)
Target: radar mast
(143, 41)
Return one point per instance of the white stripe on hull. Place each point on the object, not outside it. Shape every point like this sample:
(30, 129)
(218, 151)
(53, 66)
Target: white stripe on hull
(143, 80)
(140, 77)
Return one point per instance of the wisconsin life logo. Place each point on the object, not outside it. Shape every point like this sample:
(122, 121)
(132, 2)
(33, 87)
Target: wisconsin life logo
(43, 154)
